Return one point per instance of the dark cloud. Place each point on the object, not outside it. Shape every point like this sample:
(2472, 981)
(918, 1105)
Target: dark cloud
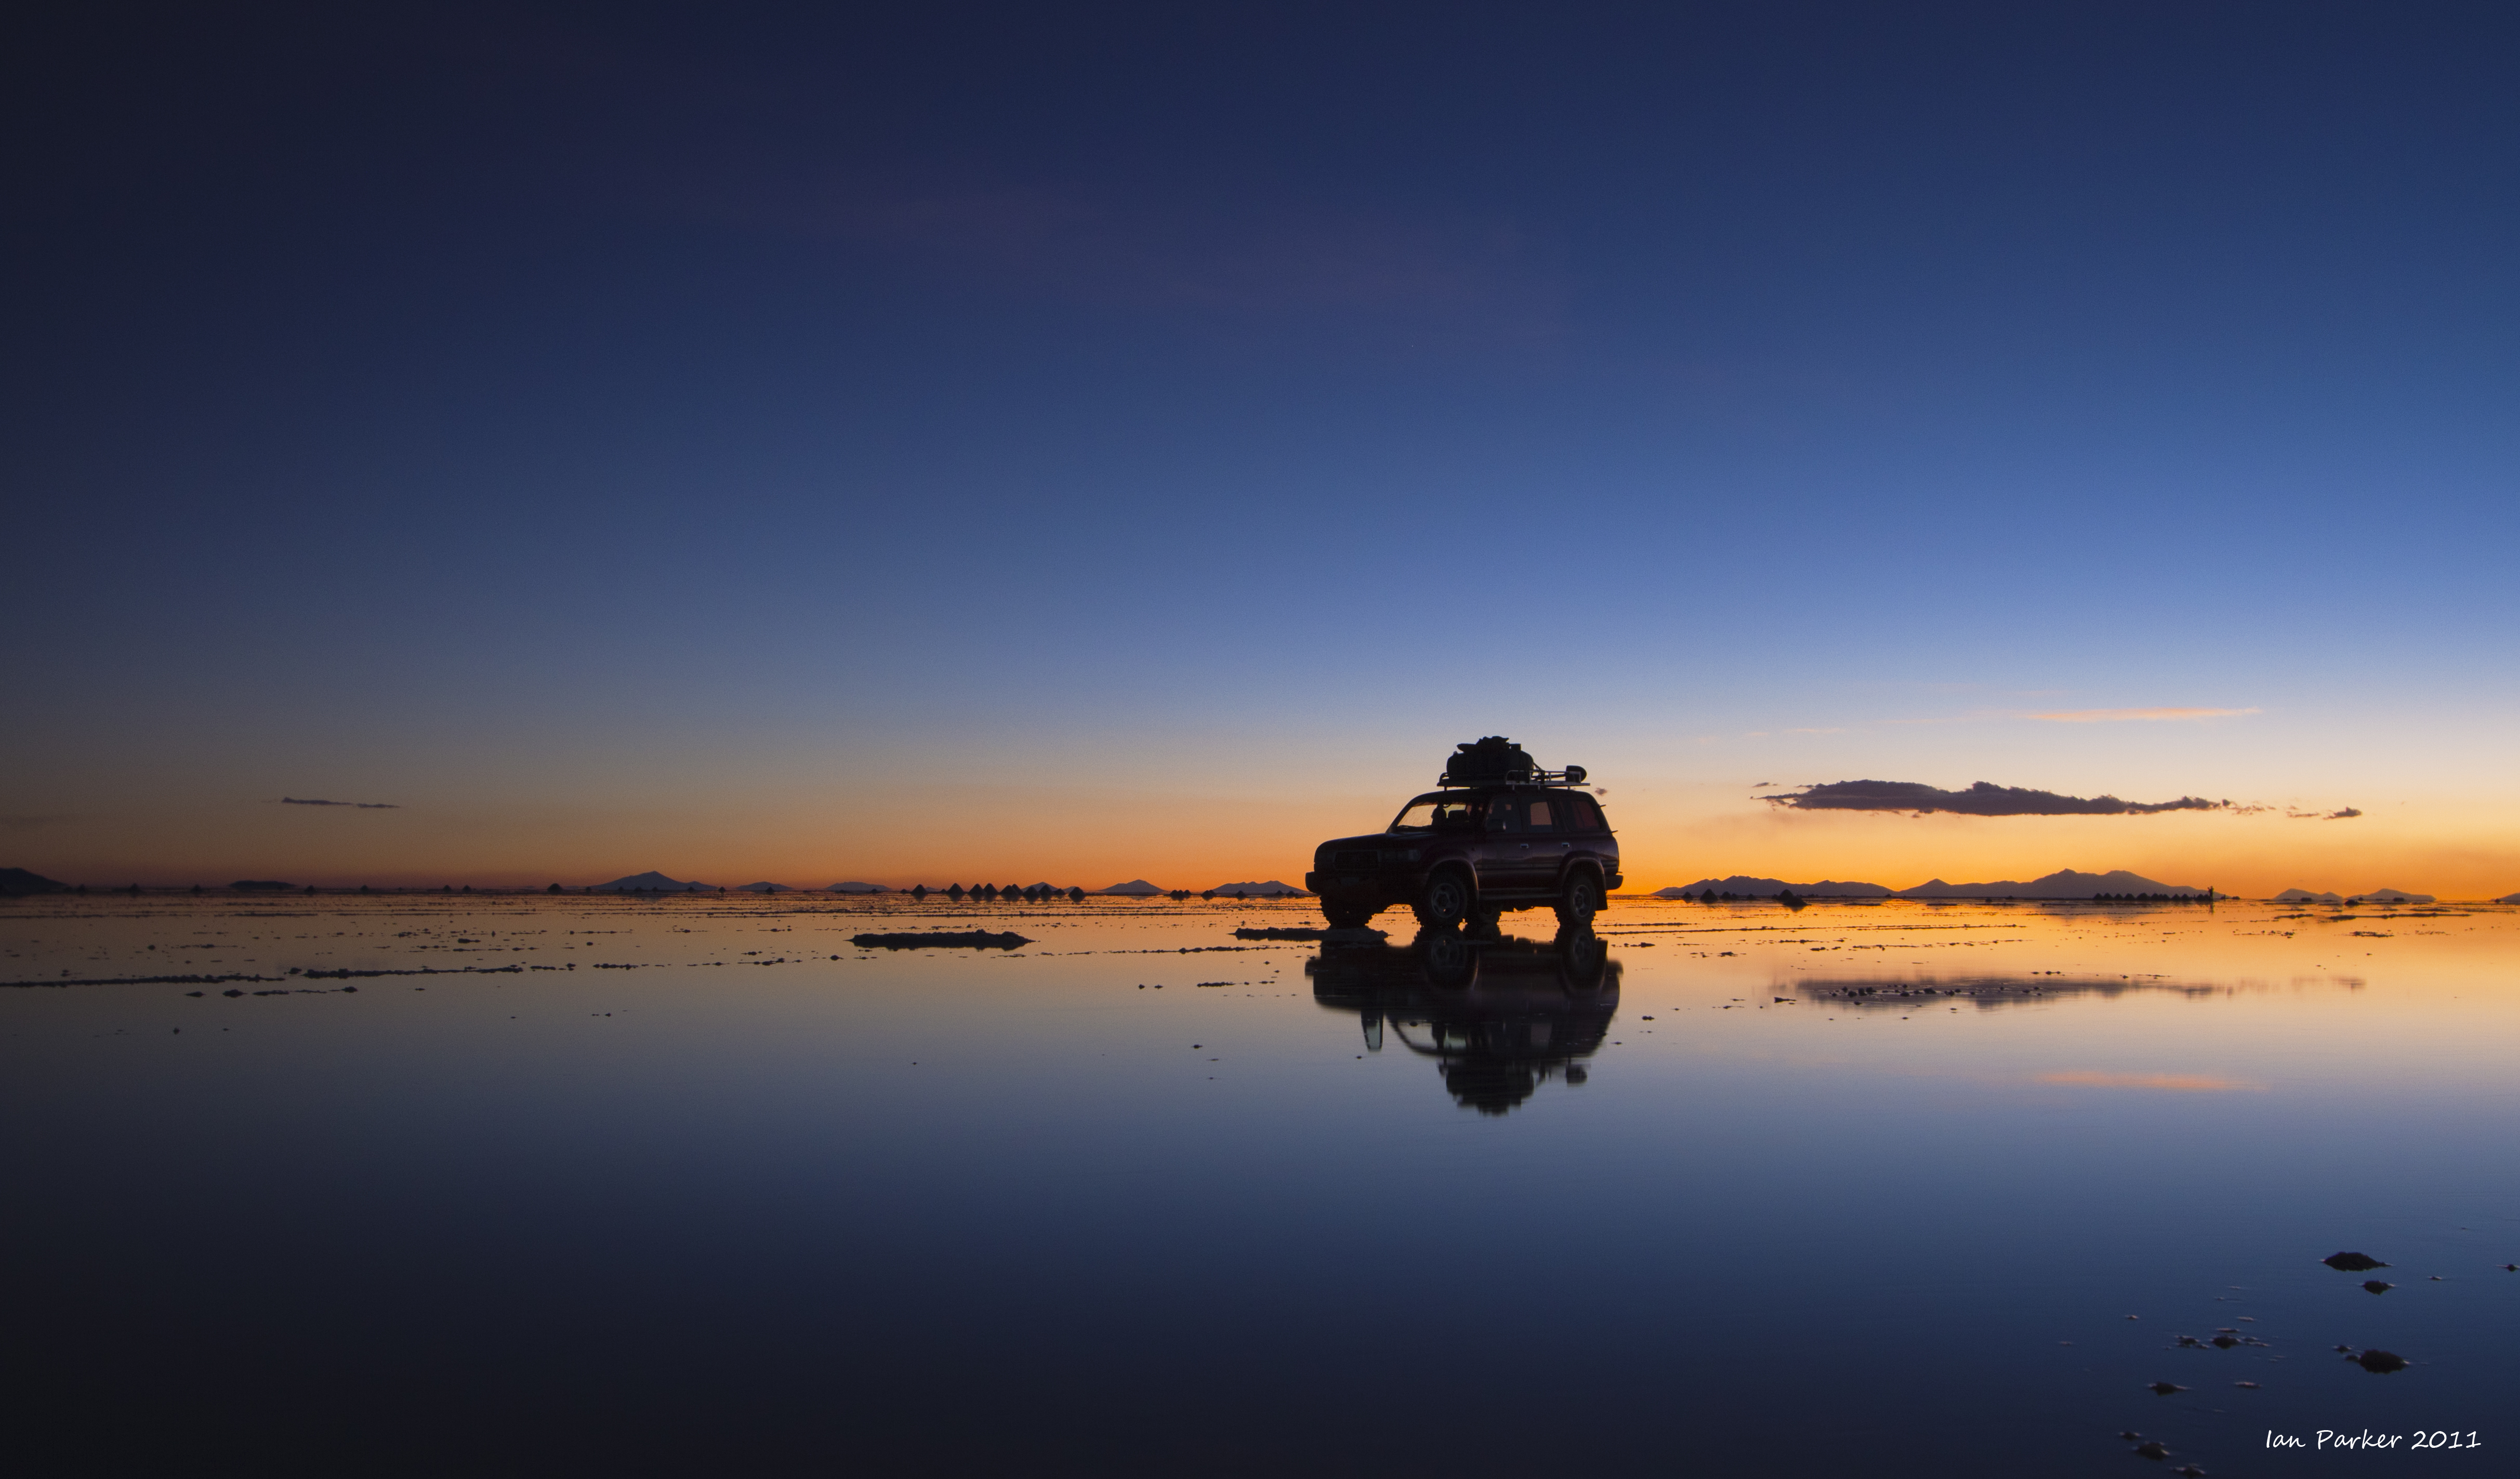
(360, 805)
(2339, 815)
(1984, 800)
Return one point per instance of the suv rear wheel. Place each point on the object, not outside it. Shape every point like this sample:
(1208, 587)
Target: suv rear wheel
(1445, 901)
(1578, 900)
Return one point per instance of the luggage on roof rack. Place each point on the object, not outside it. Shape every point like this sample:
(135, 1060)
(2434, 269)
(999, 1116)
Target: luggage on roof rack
(1499, 761)
(1492, 761)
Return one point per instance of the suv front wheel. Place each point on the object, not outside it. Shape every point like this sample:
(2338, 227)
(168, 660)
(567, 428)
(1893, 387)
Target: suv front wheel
(1445, 901)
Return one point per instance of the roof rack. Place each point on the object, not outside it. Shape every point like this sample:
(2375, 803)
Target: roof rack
(1573, 775)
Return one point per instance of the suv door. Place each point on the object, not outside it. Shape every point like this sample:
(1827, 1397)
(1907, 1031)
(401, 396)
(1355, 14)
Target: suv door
(1549, 826)
(1524, 843)
(1504, 849)
(1591, 837)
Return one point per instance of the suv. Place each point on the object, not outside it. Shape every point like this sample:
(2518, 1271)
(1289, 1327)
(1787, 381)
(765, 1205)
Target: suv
(1500, 835)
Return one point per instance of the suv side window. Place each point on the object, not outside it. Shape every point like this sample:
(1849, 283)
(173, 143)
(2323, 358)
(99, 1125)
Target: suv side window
(1505, 814)
(1538, 809)
(1588, 815)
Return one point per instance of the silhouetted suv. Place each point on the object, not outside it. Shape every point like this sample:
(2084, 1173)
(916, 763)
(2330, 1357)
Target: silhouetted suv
(1501, 835)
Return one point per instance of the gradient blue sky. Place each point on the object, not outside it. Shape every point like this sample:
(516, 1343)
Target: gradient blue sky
(1038, 441)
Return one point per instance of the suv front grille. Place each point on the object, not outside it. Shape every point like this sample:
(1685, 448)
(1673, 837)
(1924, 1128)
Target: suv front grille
(1355, 857)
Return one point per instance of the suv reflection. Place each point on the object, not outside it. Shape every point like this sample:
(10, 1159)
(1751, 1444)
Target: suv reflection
(1500, 1016)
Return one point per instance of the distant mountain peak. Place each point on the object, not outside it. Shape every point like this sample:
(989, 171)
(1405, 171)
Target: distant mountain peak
(650, 882)
(14, 882)
(1137, 888)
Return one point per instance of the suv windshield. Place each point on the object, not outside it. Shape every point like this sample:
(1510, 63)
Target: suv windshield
(1431, 814)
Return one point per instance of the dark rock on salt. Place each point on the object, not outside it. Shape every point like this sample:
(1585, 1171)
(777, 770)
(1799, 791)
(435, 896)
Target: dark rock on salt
(2383, 1361)
(1357, 935)
(966, 939)
(2165, 1388)
(2352, 1262)
(2225, 1342)
(2378, 1285)
(2153, 1451)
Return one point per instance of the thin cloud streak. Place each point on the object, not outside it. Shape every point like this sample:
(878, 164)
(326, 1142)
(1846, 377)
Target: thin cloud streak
(1448, 281)
(356, 805)
(2133, 715)
(2155, 715)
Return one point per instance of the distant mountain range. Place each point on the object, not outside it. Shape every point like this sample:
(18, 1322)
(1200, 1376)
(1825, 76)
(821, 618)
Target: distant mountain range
(2063, 884)
(855, 889)
(763, 888)
(648, 882)
(1256, 890)
(2511, 898)
(2375, 896)
(1138, 888)
(1768, 888)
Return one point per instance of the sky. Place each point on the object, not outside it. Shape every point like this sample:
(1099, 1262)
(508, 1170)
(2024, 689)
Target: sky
(959, 443)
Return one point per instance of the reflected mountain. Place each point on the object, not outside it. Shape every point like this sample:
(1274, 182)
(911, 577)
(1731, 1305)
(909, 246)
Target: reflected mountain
(1500, 1016)
(1988, 993)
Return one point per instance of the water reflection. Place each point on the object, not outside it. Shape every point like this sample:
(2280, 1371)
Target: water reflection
(1500, 1016)
(1988, 993)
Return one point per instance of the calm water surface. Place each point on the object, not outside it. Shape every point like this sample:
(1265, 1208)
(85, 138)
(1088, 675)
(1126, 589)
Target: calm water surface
(699, 1186)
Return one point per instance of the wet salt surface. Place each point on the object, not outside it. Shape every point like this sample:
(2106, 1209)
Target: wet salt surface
(594, 1186)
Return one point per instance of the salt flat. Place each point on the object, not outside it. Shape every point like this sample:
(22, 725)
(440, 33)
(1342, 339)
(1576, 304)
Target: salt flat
(551, 1185)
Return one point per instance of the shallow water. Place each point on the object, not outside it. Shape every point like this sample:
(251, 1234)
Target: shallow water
(697, 1185)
